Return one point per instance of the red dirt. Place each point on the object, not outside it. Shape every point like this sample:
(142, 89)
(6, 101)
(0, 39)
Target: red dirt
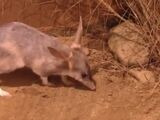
(116, 98)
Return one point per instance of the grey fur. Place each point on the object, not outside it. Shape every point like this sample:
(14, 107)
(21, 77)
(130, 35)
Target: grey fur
(24, 46)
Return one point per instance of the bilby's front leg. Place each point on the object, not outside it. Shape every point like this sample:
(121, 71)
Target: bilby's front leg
(45, 81)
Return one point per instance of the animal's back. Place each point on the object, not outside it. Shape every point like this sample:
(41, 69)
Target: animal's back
(22, 45)
(25, 36)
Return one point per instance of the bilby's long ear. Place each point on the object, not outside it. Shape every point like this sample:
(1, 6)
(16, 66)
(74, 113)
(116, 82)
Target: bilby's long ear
(78, 35)
(58, 54)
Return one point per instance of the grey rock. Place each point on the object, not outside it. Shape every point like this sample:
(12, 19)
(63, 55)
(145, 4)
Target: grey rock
(127, 44)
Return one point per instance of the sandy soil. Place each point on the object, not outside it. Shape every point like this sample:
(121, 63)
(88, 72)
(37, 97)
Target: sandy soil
(116, 97)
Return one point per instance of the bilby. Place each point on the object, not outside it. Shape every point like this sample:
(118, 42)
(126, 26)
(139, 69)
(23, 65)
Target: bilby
(24, 46)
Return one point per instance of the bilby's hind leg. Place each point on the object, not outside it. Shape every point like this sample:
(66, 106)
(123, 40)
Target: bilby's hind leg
(10, 57)
(8, 65)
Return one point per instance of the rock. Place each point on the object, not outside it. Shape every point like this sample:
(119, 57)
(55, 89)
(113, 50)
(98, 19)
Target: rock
(128, 45)
(143, 76)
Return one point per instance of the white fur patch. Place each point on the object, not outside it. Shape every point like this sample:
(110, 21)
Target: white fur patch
(4, 93)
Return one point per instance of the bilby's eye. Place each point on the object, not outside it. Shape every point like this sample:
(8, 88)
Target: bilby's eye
(84, 75)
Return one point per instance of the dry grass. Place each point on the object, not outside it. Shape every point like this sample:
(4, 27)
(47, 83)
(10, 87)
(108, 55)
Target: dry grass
(145, 13)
